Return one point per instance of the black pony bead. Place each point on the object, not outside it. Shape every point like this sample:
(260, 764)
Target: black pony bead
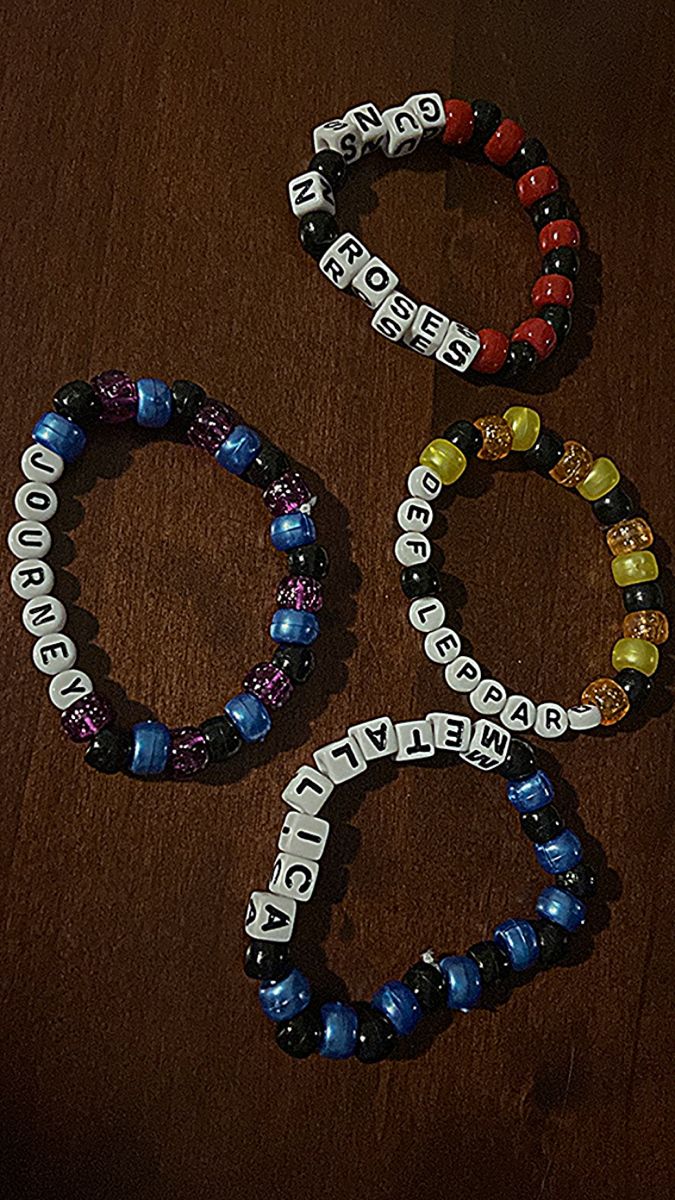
(615, 506)
(376, 1036)
(269, 463)
(546, 452)
(486, 117)
(222, 738)
(520, 358)
(492, 962)
(427, 983)
(309, 560)
(519, 762)
(559, 318)
(109, 751)
(317, 231)
(422, 580)
(79, 402)
(553, 941)
(465, 436)
(266, 960)
(331, 166)
(542, 825)
(188, 398)
(580, 881)
(561, 261)
(636, 685)
(639, 596)
(301, 1036)
(531, 154)
(297, 662)
(551, 208)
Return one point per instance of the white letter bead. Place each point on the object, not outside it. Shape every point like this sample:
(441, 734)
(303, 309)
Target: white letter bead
(459, 347)
(44, 614)
(583, 716)
(340, 760)
(270, 918)
(519, 713)
(427, 330)
(552, 720)
(415, 740)
(310, 193)
(374, 282)
(429, 110)
(344, 259)
(308, 791)
(412, 548)
(376, 738)
(53, 653)
(403, 131)
(489, 746)
(426, 614)
(69, 686)
(340, 135)
(303, 836)
(414, 516)
(452, 731)
(442, 645)
(29, 539)
(294, 877)
(489, 697)
(32, 577)
(42, 464)
(463, 675)
(424, 483)
(394, 316)
(35, 501)
(367, 118)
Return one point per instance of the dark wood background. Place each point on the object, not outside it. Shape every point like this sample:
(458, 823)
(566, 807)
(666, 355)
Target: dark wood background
(146, 148)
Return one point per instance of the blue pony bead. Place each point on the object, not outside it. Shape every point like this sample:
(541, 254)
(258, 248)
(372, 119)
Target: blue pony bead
(291, 530)
(559, 854)
(150, 748)
(340, 1029)
(155, 403)
(61, 435)
(250, 716)
(295, 627)
(397, 1002)
(238, 450)
(527, 795)
(562, 908)
(463, 981)
(286, 998)
(519, 940)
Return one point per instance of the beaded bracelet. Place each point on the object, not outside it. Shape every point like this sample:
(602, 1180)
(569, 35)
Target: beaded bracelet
(369, 1031)
(348, 264)
(635, 655)
(86, 716)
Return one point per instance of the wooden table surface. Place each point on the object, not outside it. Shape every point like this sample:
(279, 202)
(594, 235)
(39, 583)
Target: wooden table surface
(146, 149)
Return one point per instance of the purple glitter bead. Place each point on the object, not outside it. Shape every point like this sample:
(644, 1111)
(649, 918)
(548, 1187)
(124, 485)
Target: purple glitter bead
(286, 494)
(269, 684)
(213, 423)
(188, 752)
(118, 395)
(301, 592)
(86, 717)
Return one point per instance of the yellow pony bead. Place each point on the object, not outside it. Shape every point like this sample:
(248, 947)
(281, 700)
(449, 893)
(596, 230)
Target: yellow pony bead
(446, 459)
(636, 653)
(638, 567)
(602, 477)
(525, 425)
(626, 536)
(609, 697)
(648, 624)
(497, 437)
(573, 466)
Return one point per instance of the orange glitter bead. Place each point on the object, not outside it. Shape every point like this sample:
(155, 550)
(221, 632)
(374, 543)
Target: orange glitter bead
(648, 624)
(574, 465)
(627, 536)
(497, 437)
(609, 697)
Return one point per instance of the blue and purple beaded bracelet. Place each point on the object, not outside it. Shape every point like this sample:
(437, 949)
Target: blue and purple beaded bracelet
(59, 438)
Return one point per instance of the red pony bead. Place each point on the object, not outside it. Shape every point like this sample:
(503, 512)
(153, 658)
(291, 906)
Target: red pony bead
(553, 289)
(458, 122)
(536, 184)
(494, 346)
(559, 233)
(501, 147)
(538, 333)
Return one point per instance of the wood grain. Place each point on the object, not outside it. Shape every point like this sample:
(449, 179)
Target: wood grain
(146, 148)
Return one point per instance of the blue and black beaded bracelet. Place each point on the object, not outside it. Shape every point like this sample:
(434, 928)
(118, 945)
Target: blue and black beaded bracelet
(60, 436)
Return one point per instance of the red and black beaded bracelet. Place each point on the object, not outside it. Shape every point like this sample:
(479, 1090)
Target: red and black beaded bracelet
(151, 748)
(349, 265)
